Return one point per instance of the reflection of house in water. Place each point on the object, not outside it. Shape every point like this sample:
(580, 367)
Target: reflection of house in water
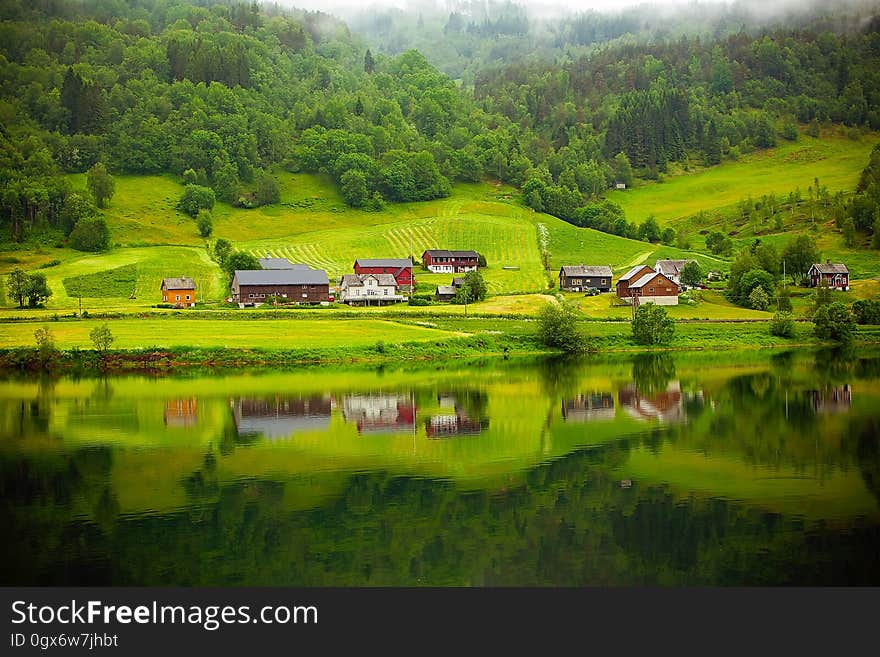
(469, 408)
(181, 412)
(664, 405)
(379, 412)
(279, 417)
(832, 400)
(588, 407)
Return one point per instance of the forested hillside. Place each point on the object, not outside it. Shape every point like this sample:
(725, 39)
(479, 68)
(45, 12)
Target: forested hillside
(220, 94)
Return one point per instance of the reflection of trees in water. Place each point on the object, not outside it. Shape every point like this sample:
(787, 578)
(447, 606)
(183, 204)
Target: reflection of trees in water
(652, 373)
(835, 364)
(863, 440)
(202, 484)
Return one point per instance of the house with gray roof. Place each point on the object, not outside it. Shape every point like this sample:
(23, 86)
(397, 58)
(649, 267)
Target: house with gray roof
(834, 274)
(300, 284)
(671, 269)
(370, 290)
(180, 291)
(575, 278)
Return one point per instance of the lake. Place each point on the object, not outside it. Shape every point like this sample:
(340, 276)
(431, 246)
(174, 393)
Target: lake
(730, 468)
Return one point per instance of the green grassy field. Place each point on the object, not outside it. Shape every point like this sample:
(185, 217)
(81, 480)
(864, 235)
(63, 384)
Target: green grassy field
(311, 224)
(836, 160)
(233, 334)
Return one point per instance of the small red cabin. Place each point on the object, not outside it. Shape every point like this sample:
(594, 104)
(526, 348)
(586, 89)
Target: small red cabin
(836, 275)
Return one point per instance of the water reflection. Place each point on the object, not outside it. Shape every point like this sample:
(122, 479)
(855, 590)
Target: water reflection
(281, 417)
(588, 407)
(654, 469)
(460, 413)
(380, 412)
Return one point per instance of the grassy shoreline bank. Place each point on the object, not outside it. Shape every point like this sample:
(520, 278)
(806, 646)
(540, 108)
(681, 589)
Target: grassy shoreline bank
(141, 345)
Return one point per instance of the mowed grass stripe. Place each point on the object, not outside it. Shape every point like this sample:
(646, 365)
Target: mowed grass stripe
(238, 334)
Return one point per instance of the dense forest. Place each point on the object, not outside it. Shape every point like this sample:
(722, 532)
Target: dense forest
(220, 93)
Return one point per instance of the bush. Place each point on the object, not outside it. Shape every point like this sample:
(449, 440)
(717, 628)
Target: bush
(652, 325)
(782, 325)
(195, 198)
(758, 299)
(867, 311)
(205, 222)
(102, 338)
(558, 329)
(834, 321)
(419, 301)
(91, 235)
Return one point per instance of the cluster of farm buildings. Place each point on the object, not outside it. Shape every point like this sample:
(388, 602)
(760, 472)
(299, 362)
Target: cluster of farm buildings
(375, 281)
(380, 281)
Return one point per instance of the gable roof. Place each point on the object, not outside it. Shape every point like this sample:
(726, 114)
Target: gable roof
(668, 267)
(647, 278)
(632, 272)
(831, 268)
(182, 283)
(275, 263)
(384, 262)
(295, 276)
(446, 289)
(586, 270)
(357, 280)
(445, 253)
(457, 281)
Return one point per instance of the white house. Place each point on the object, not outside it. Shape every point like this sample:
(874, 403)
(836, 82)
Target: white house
(369, 289)
(671, 269)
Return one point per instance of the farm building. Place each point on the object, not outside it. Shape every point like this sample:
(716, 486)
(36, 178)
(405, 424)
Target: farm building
(442, 261)
(445, 292)
(836, 275)
(653, 287)
(369, 289)
(575, 278)
(301, 284)
(671, 269)
(400, 268)
(630, 277)
(279, 263)
(179, 291)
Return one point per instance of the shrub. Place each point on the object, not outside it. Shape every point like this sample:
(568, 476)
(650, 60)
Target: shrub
(195, 198)
(652, 325)
(758, 299)
(558, 329)
(205, 223)
(91, 235)
(834, 321)
(782, 325)
(867, 311)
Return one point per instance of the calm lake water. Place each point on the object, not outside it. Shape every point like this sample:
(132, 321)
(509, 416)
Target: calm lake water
(720, 469)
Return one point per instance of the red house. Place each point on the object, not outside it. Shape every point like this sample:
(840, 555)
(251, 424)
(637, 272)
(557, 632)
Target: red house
(836, 275)
(442, 261)
(400, 268)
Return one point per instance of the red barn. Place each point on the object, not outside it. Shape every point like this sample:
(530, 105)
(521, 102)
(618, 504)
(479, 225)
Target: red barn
(400, 268)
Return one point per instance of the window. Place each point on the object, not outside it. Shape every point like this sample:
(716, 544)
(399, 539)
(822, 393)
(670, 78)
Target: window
(177, 297)
(386, 291)
(604, 281)
(650, 289)
(251, 296)
(187, 297)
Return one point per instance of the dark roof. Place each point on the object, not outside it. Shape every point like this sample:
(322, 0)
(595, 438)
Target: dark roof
(182, 283)
(296, 276)
(384, 262)
(632, 272)
(586, 270)
(831, 268)
(279, 263)
(457, 281)
(444, 253)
